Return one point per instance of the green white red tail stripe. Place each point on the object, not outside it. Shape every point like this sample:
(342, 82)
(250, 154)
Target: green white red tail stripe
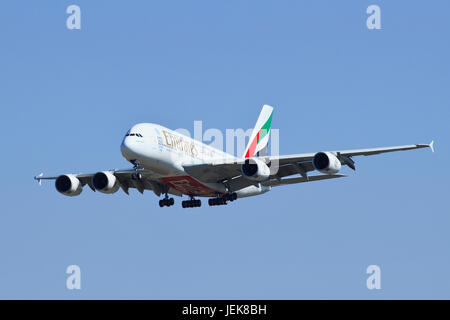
(260, 135)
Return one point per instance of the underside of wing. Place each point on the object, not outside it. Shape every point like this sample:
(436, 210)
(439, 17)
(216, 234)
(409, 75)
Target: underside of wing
(146, 181)
(281, 182)
(109, 182)
(214, 172)
(305, 160)
(229, 171)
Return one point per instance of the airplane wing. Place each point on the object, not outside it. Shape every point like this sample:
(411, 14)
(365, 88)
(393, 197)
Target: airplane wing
(351, 153)
(124, 177)
(302, 163)
(282, 182)
(283, 166)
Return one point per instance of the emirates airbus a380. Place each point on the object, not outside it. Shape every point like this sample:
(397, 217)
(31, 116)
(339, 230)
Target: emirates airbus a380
(168, 162)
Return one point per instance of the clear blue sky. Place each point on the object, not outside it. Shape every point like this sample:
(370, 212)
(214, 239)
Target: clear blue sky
(67, 98)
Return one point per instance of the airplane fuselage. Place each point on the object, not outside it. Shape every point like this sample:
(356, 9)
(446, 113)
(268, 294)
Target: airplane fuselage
(164, 152)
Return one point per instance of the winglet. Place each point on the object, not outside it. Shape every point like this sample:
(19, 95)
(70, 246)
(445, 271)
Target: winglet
(431, 145)
(38, 178)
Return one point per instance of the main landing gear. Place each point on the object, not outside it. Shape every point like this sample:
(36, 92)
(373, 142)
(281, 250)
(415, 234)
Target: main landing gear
(217, 201)
(166, 202)
(220, 201)
(193, 203)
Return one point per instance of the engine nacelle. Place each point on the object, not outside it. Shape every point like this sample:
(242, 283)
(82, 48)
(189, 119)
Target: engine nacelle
(68, 185)
(105, 182)
(326, 162)
(255, 169)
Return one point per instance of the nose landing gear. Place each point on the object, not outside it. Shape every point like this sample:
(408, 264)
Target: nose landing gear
(136, 175)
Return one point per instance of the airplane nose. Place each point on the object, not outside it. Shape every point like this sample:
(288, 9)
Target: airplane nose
(127, 149)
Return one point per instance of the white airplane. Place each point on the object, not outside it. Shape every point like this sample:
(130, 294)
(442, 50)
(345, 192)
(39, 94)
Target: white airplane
(168, 162)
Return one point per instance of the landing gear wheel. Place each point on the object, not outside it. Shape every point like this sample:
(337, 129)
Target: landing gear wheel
(193, 203)
(166, 202)
(219, 201)
(136, 176)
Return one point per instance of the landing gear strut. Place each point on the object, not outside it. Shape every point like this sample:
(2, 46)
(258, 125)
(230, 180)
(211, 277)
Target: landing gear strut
(136, 175)
(166, 202)
(220, 201)
(193, 203)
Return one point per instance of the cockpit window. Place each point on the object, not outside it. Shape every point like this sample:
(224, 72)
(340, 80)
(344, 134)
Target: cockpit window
(134, 134)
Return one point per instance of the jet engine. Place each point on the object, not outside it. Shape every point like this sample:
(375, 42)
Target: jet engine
(255, 169)
(326, 162)
(105, 182)
(68, 185)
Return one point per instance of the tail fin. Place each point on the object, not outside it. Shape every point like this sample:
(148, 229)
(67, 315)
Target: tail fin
(260, 135)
